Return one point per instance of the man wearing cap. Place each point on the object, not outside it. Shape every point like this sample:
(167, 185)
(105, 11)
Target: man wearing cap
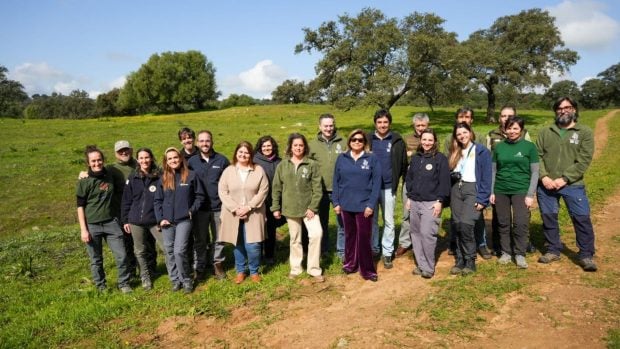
(125, 164)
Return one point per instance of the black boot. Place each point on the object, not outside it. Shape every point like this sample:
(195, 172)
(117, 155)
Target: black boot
(459, 264)
(470, 266)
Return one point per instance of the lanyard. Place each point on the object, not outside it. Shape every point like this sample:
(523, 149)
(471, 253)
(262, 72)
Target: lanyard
(466, 158)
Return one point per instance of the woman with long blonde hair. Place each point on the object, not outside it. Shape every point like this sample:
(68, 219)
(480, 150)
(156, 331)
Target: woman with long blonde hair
(178, 197)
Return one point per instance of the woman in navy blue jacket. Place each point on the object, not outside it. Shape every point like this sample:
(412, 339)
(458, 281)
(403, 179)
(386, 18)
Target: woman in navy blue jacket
(266, 156)
(428, 189)
(178, 196)
(472, 175)
(138, 214)
(356, 188)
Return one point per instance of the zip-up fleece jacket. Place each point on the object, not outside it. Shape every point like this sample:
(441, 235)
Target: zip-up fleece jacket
(567, 156)
(296, 190)
(484, 174)
(176, 205)
(357, 184)
(137, 206)
(269, 166)
(399, 157)
(209, 174)
(325, 152)
(428, 178)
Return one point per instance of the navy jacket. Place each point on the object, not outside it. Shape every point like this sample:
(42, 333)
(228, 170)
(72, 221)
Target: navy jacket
(428, 178)
(176, 205)
(484, 174)
(138, 197)
(209, 174)
(356, 184)
(398, 157)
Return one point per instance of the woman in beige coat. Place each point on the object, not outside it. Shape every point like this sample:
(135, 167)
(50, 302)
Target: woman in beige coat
(243, 189)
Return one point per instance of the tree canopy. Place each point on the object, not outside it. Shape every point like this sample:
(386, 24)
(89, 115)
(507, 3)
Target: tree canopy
(374, 60)
(172, 81)
(290, 92)
(12, 95)
(521, 50)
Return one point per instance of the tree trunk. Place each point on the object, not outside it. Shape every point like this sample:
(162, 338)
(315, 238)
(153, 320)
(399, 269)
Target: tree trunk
(490, 102)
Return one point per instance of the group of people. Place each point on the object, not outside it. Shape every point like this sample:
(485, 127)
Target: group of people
(198, 201)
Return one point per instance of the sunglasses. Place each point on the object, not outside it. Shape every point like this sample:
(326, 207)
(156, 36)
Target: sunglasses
(357, 140)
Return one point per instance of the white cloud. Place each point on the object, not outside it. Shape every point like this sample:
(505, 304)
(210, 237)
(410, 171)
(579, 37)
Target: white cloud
(42, 78)
(258, 82)
(117, 83)
(583, 24)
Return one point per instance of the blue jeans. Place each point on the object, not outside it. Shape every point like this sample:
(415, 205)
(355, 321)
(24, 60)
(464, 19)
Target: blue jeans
(111, 232)
(246, 253)
(387, 200)
(579, 211)
(176, 245)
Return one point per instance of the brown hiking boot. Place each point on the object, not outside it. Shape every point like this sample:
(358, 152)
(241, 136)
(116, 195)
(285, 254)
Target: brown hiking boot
(400, 251)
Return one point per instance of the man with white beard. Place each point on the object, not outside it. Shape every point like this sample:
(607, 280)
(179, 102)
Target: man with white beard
(565, 149)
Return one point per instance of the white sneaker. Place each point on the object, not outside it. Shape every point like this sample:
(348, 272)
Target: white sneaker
(504, 259)
(521, 262)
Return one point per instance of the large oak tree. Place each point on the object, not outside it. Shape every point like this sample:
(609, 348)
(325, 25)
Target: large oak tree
(374, 60)
(521, 50)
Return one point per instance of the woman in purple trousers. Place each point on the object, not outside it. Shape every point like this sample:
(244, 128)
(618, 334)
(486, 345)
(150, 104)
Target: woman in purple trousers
(357, 184)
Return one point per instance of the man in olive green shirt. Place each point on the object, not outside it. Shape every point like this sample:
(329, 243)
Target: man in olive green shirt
(565, 149)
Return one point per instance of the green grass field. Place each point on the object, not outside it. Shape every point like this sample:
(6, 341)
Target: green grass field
(47, 297)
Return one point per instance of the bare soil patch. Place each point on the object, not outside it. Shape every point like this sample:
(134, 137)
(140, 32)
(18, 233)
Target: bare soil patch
(560, 307)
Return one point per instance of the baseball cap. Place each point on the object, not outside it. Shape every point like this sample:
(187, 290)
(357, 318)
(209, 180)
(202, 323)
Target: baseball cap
(121, 145)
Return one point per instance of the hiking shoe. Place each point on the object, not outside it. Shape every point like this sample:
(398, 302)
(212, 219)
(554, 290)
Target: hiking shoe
(218, 270)
(484, 252)
(401, 251)
(504, 259)
(587, 264)
(387, 262)
(239, 278)
(467, 271)
(416, 271)
(177, 287)
(521, 262)
(318, 278)
(200, 275)
(530, 248)
(188, 287)
(255, 278)
(147, 284)
(102, 288)
(456, 270)
(125, 289)
(548, 258)
(427, 274)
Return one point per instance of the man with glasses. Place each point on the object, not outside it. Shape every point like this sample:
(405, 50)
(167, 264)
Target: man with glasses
(565, 149)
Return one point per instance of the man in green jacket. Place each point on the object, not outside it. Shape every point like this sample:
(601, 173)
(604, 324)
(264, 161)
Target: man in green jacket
(565, 149)
(325, 149)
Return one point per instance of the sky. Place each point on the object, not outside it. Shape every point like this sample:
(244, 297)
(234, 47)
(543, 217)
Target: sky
(92, 45)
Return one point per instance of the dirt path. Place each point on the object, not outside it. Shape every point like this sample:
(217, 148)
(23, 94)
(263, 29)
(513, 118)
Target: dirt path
(561, 306)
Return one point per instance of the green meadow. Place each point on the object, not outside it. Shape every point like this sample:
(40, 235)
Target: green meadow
(47, 299)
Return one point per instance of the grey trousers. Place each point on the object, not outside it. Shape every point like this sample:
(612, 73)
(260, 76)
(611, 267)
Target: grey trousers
(424, 228)
(206, 232)
(404, 238)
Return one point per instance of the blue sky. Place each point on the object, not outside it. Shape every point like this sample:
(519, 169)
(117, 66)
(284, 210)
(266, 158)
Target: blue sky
(62, 45)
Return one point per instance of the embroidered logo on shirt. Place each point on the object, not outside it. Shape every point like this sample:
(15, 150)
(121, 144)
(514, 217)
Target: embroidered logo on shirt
(304, 173)
(338, 148)
(518, 155)
(152, 188)
(429, 167)
(365, 165)
(104, 186)
(184, 184)
(574, 139)
(389, 147)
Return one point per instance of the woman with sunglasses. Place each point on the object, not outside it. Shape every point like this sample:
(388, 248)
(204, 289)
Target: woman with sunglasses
(356, 188)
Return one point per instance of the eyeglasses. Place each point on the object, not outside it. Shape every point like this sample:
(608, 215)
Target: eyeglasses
(566, 108)
(357, 140)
